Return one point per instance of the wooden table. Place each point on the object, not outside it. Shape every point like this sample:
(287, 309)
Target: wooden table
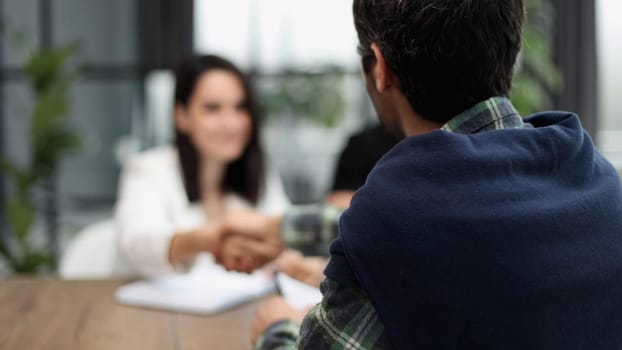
(53, 314)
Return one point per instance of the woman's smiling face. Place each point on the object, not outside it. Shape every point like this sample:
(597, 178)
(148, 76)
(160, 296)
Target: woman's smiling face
(216, 117)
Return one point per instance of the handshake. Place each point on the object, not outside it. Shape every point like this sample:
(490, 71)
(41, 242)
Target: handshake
(248, 240)
(240, 241)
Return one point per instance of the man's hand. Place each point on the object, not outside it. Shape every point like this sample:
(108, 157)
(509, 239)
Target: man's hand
(243, 254)
(250, 241)
(251, 224)
(340, 199)
(309, 270)
(274, 310)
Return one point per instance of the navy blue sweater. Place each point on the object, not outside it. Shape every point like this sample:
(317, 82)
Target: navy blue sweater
(508, 239)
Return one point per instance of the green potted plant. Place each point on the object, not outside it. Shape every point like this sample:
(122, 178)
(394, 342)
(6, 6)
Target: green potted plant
(50, 73)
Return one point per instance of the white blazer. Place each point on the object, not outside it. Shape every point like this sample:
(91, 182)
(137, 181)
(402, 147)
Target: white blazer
(152, 206)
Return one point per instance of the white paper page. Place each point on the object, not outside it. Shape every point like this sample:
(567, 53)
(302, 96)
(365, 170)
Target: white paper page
(210, 289)
(204, 292)
(298, 294)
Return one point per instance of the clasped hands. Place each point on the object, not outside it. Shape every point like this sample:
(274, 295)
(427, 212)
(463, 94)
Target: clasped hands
(247, 241)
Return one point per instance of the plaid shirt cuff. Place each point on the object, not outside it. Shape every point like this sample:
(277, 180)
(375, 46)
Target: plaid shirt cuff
(281, 335)
(310, 224)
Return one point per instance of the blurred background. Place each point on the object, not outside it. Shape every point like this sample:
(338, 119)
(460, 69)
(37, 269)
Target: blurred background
(86, 83)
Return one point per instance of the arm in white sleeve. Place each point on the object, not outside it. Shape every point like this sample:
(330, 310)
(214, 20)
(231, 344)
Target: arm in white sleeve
(274, 199)
(143, 225)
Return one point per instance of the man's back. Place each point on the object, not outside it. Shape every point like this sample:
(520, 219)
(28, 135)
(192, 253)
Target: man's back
(500, 239)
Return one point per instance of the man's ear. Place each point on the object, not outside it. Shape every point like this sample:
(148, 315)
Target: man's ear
(181, 118)
(384, 77)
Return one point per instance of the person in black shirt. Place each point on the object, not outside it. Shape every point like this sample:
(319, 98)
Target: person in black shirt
(357, 159)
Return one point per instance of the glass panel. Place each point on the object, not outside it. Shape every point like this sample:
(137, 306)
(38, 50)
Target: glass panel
(610, 79)
(102, 112)
(22, 17)
(16, 110)
(273, 34)
(610, 45)
(106, 29)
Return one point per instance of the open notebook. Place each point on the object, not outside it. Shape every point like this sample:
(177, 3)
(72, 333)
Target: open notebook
(211, 289)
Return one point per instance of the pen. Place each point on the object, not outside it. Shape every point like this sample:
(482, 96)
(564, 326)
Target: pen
(277, 286)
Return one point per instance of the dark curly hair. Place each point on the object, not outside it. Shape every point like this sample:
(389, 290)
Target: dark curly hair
(447, 54)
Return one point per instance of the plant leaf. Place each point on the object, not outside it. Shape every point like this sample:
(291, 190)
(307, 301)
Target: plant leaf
(44, 67)
(34, 262)
(50, 109)
(20, 215)
(6, 253)
(9, 168)
(50, 147)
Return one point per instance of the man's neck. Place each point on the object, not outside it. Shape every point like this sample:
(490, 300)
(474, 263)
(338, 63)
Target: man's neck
(412, 123)
(415, 125)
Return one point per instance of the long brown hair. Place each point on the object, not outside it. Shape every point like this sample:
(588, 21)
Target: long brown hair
(244, 176)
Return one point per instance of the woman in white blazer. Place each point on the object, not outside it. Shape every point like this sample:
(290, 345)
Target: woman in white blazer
(172, 198)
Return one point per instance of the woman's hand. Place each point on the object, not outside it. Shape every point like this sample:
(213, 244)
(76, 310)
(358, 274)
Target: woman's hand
(185, 246)
(243, 254)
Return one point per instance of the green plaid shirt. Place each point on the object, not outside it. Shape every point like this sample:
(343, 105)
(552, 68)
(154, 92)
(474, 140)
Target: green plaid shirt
(309, 224)
(346, 318)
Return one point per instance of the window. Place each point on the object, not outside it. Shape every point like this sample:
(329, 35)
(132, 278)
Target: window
(610, 78)
(271, 34)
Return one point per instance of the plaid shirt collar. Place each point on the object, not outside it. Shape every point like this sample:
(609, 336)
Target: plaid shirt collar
(495, 113)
